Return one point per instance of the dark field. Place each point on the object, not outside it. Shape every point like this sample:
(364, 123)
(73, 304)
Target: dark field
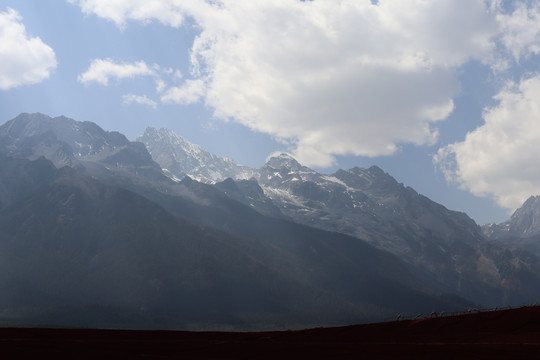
(503, 334)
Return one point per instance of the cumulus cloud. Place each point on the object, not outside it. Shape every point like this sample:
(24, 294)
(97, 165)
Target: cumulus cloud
(500, 158)
(326, 77)
(520, 30)
(169, 12)
(138, 99)
(347, 77)
(23, 60)
(330, 77)
(190, 92)
(102, 70)
(160, 85)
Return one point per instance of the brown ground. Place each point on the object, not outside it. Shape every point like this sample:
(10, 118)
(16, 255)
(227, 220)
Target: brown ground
(504, 334)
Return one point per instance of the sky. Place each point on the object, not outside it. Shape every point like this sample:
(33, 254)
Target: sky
(444, 95)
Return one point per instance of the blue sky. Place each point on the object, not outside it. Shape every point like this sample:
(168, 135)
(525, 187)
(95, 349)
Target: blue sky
(440, 94)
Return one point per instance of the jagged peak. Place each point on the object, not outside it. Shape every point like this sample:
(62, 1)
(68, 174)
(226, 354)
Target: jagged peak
(40, 119)
(373, 172)
(532, 200)
(173, 138)
(150, 130)
(36, 115)
(33, 123)
(162, 132)
(532, 204)
(376, 170)
(25, 118)
(282, 160)
(281, 155)
(524, 222)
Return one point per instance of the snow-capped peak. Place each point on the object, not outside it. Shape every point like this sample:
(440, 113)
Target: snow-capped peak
(181, 157)
(283, 161)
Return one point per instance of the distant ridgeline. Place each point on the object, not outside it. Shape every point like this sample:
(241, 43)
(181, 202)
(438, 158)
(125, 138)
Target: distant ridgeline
(100, 231)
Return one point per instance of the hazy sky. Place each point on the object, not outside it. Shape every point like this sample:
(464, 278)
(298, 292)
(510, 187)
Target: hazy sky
(444, 95)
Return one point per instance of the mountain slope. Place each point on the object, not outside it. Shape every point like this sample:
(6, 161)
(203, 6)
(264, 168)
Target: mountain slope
(297, 225)
(524, 222)
(178, 158)
(76, 252)
(65, 141)
(445, 248)
(521, 230)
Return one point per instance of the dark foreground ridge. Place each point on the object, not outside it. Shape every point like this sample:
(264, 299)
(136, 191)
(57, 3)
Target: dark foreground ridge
(513, 333)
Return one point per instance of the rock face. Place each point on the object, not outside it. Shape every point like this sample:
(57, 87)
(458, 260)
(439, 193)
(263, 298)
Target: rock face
(366, 203)
(521, 230)
(106, 230)
(525, 222)
(68, 142)
(446, 248)
(76, 252)
(178, 158)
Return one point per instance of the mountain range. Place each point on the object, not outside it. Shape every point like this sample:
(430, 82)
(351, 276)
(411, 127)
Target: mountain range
(100, 231)
(447, 249)
(521, 230)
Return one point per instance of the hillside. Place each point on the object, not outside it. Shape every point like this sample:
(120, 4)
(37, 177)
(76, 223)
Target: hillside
(77, 252)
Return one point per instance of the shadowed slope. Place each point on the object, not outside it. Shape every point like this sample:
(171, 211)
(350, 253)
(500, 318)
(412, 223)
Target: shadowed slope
(74, 251)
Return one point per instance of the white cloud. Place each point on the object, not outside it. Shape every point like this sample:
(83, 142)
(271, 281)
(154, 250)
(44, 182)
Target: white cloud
(160, 85)
(102, 70)
(500, 158)
(119, 11)
(520, 30)
(329, 77)
(333, 77)
(23, 59)
(340, 77)
(138, 99)
(190, 92)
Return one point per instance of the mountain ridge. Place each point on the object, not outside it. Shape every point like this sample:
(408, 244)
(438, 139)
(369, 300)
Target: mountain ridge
(521, 230)
(179, 158)
(65, 141)
(73, 243)
(310, 229)
(447, 247)
(524, 222)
